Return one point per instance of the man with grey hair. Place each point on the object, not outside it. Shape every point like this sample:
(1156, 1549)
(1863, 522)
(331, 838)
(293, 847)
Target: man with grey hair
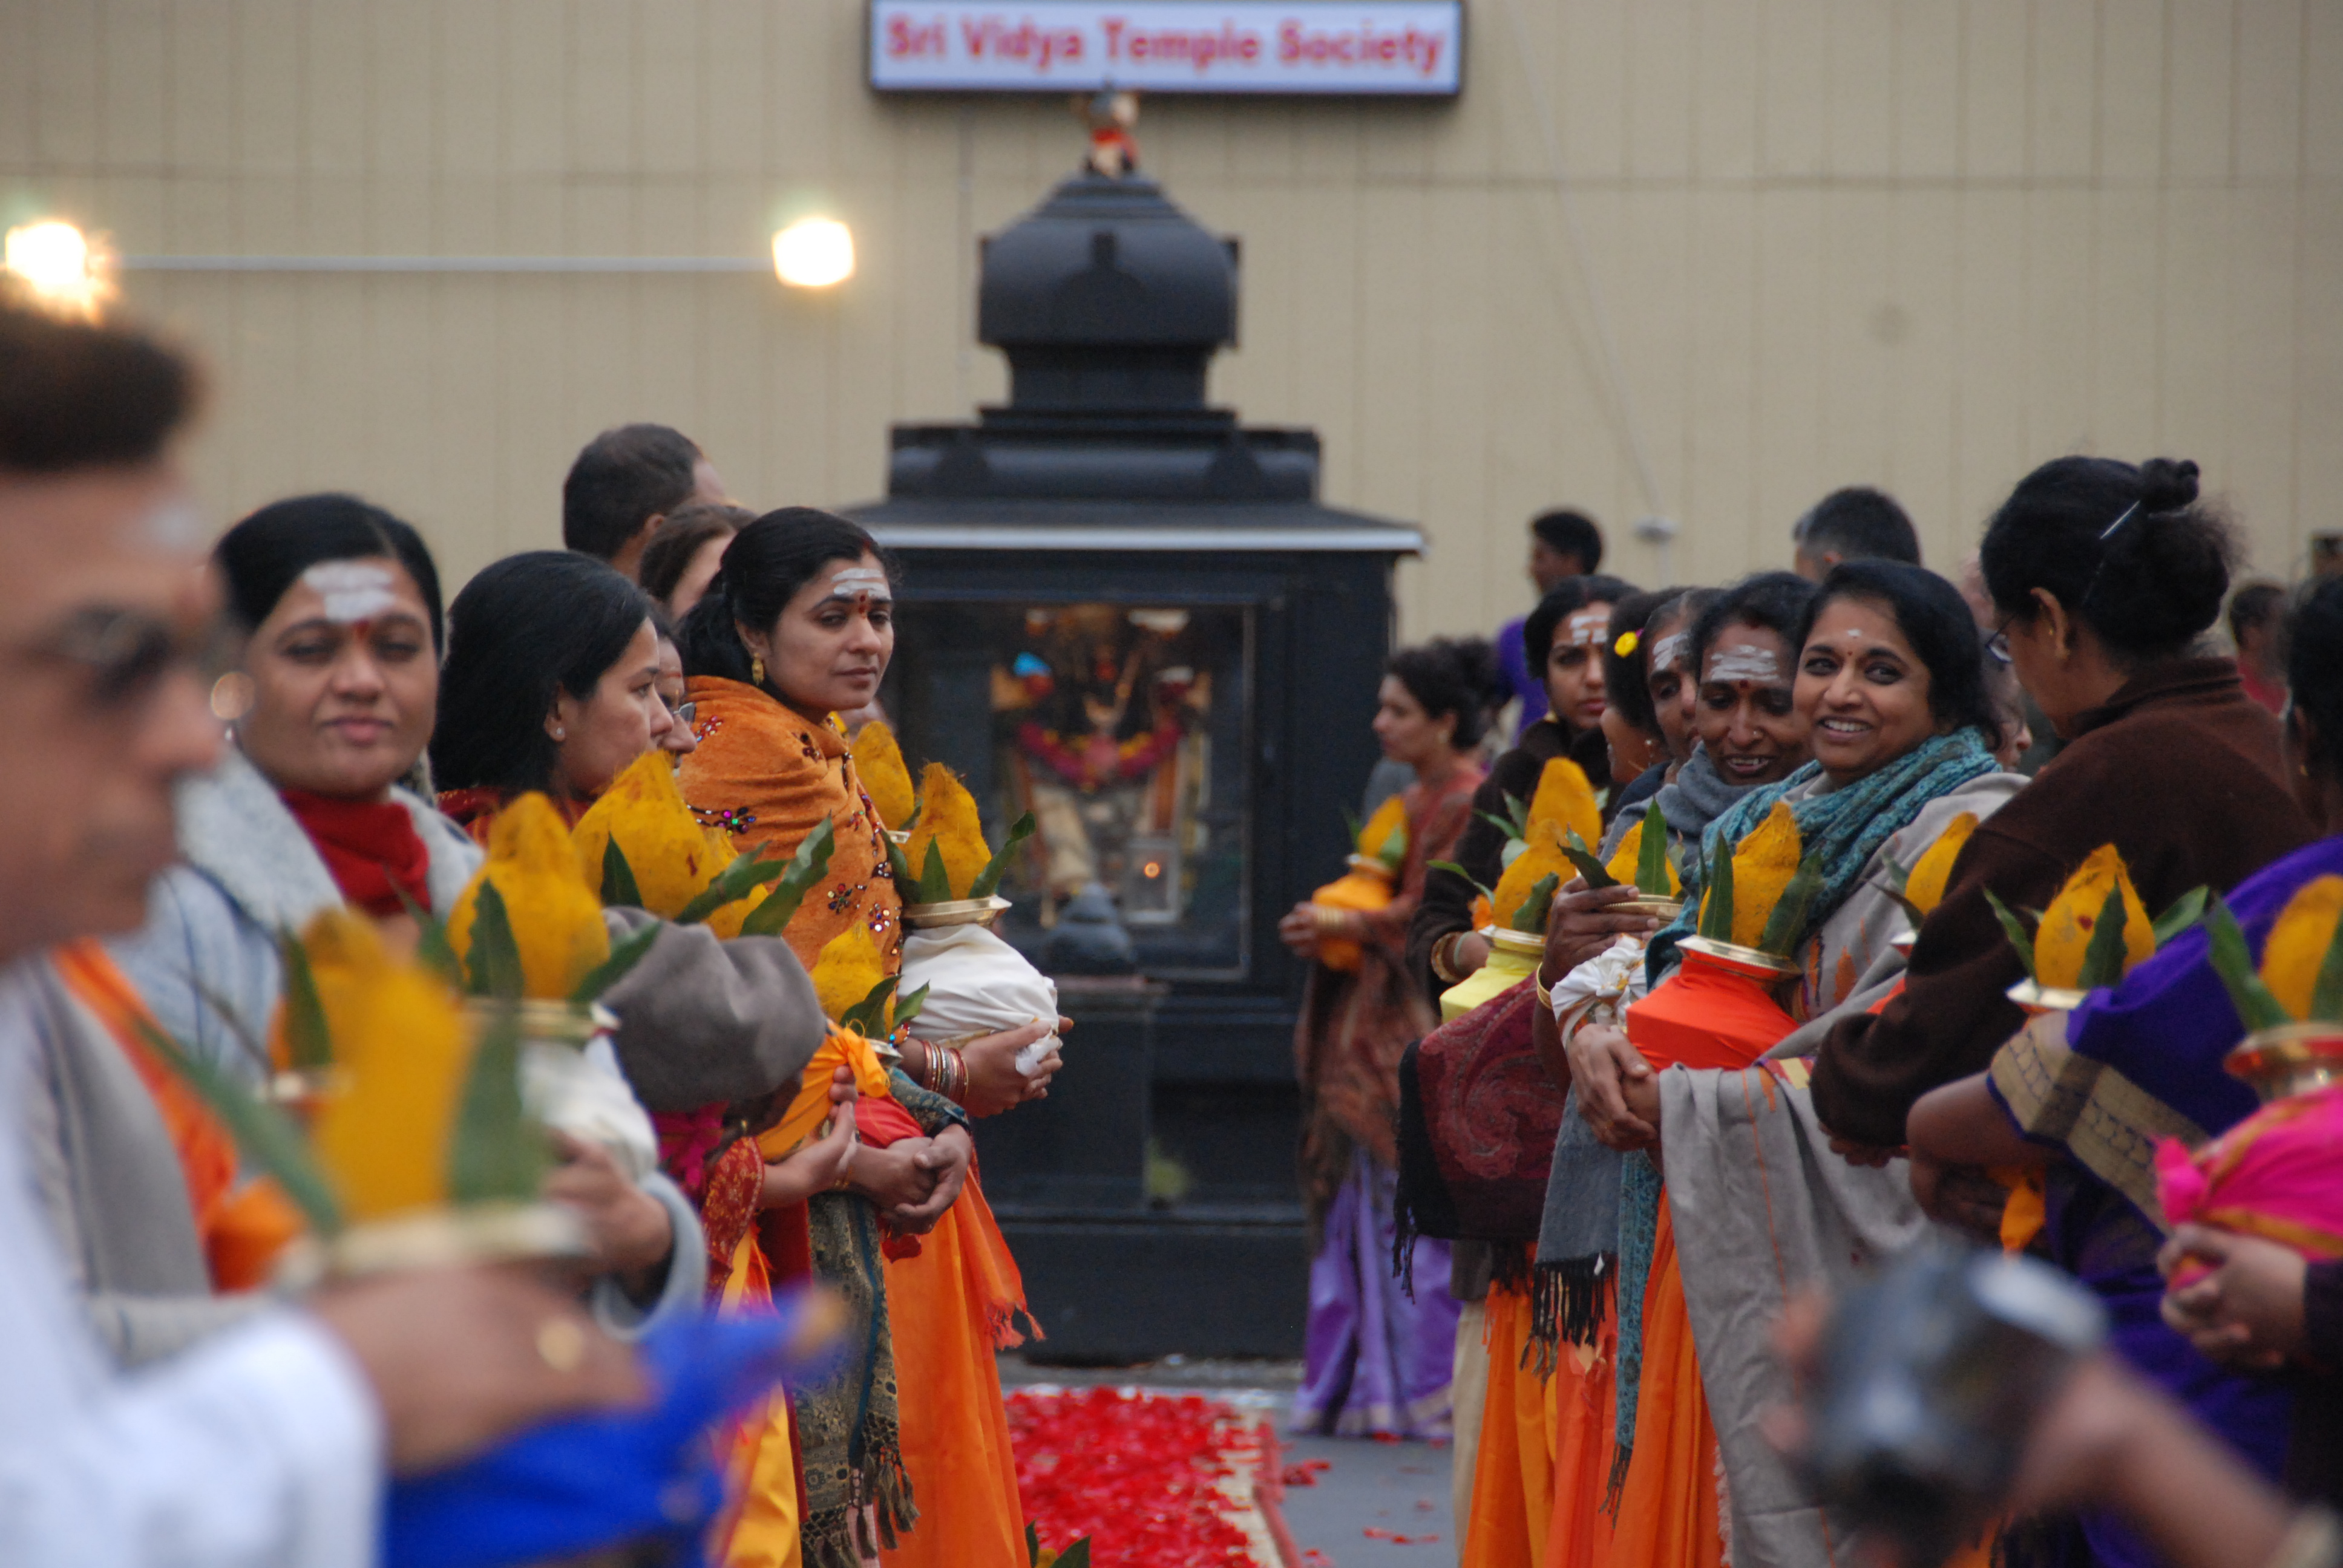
(1855, 524)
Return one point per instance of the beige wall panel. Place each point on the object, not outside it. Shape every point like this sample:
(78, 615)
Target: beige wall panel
(1794, 99)
(2319, 394)
(1923, 326)
(1993, 53)
(2125, 303)
(2130, 90)
(1927, 104)
(2062, 49)
(2056, 311)
(2322, 93)
(1658, 85)
(2199, 84)
(1923, 242)
(2263, 431)
(1724, 72)
(1861, 90)
(2270, 35)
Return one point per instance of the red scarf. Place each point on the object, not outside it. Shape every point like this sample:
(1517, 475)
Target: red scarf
(371, 848)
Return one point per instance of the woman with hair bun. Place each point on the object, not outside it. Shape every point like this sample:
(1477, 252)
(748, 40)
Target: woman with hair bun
(1378, 1361)
(2105, 577)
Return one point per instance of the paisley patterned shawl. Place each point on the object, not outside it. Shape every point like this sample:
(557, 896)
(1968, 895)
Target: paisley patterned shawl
(1477, 1123)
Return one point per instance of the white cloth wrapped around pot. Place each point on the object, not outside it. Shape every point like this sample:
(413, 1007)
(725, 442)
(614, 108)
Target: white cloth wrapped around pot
(977, 984)
(583, 1093)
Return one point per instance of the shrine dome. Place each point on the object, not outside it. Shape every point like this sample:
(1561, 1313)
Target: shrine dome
(1107, 298)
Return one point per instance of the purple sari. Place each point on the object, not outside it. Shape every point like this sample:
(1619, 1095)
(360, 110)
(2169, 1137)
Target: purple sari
(1378, 1361)
(2137, 1064)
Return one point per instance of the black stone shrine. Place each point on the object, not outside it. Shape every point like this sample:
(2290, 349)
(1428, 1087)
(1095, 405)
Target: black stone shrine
(1125, 609)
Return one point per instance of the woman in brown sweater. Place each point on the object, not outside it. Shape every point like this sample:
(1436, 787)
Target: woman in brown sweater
(2104, 575)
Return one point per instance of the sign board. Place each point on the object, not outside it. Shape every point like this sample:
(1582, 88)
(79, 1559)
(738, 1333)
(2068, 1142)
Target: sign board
(1379, 48)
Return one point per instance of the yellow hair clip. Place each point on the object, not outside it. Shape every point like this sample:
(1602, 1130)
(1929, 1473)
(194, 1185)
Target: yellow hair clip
(1627, 643)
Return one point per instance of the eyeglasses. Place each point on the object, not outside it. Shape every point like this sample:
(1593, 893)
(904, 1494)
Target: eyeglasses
(1996, 647)
(685, 712)
(127, 653)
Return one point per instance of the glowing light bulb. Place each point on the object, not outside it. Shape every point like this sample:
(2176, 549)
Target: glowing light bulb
(59, 267)
(814, 253)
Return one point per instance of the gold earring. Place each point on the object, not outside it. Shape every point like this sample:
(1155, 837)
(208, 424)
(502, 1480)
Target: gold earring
(756, 670)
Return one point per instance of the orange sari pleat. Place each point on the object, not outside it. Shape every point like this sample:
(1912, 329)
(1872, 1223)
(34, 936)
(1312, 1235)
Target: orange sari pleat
(951, 1305)
(1668, 1515)
(1585, 1397)
(1513, 1482)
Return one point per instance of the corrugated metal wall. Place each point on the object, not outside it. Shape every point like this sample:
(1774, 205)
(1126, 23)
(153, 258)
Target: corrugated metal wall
(1921, 244)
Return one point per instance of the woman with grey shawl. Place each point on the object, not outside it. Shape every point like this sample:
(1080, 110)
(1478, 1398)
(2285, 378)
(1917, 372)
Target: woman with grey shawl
(1889, 674)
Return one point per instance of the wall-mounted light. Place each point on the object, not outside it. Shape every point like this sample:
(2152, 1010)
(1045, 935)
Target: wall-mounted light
(814, 253)
(59, 267)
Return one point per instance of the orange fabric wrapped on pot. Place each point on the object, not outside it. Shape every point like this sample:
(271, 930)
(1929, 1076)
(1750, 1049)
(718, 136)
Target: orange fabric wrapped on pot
(1707, 1015)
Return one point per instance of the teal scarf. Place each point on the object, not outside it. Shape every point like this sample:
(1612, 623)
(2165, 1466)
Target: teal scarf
(1845, 826)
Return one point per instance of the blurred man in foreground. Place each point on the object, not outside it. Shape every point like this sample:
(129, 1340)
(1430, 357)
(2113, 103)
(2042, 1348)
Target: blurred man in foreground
(269, 1445)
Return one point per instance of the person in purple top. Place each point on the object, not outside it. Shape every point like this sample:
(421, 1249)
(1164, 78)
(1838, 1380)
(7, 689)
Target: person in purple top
(2086, 1097)
(1562, 544)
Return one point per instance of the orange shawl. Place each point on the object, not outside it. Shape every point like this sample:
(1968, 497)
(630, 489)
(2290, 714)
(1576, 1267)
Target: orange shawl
(766, 774)
(243, 1225)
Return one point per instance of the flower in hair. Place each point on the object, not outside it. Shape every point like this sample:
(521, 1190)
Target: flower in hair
(1627, 643)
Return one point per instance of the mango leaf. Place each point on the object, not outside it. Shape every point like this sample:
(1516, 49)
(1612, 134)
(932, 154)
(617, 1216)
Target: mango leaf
(498, 1150)
(1518, 808)
(935, 882)
(266, 1136)
(1531, 916)
(988, 881)
(803, 869)
(1078, 1556)
(1898, 877)
(870, 1014)
(1787, 923)
(2103, 956)
(2327, 992)
(495, 953)
(308, 1039)
(618, 888)
(733, 883)
(1652, 858)
(2187, 911)
(1034, 1542)
(1506, 825)
(624, 954)
(1597, 873)
(1716, 910)
(2015, 931)
(899, 864)
(432, 948)
(1911, 911)
(1453, 870)
(2234, 962)
(908, 1008)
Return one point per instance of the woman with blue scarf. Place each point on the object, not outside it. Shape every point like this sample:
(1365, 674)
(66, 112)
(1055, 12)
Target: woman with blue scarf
(1753, 1207)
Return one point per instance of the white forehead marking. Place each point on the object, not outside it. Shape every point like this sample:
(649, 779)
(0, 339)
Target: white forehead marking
(1585, 628)
(1665, 652)
(851, 581)
(175, 526)
(1744, 664)
(353, 590)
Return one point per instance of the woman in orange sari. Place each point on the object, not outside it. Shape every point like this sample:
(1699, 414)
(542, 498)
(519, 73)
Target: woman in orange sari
(797, 628)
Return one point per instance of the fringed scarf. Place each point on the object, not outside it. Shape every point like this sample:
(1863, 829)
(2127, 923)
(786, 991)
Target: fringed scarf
(1844, 826)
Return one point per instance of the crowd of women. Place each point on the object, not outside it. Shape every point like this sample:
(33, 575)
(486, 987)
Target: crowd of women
(378, 738)
(1570, 1242)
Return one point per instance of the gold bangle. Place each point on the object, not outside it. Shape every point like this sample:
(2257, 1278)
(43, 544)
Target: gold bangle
(1444, 959)
(1544, 996)
(1331, 922)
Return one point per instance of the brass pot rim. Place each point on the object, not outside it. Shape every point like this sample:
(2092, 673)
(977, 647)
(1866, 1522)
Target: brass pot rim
(1504, 939)
(1735, 957)
(1904, 942)
(497, 1232)
(2273, 1053)
(1373, 868)
(1650, 904)
(954, 912)
(2037, 998)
